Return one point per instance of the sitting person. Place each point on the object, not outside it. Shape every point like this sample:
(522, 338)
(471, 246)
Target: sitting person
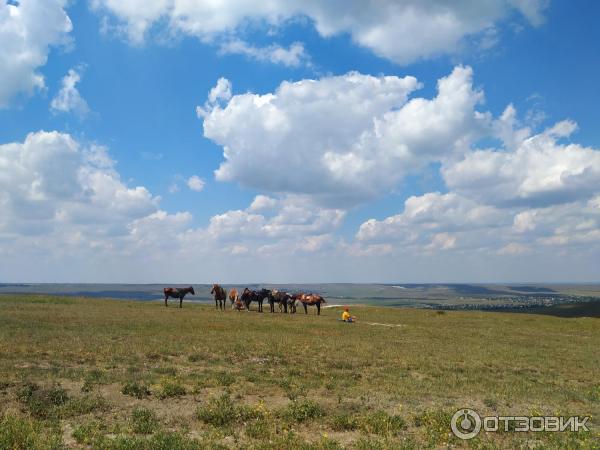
(346, 317)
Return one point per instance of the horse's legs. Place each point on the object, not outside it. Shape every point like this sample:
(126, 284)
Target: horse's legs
(166, 297)
(318, 308)
(305, 309)
(181, 302)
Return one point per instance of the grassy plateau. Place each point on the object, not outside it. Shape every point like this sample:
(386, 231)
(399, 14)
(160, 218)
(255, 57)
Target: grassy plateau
(108, 374)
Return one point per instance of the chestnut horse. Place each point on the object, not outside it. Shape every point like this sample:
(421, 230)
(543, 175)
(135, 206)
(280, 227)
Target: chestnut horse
(178, 293)
(234, 298)
(309, 300)
(220, 296)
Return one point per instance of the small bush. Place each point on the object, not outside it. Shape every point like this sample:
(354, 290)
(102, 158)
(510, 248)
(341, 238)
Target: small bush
(302, 411)
(136, 390)
(381, 422)
(436, 425)
(87, 433)
(171, 389)
(218, 411)
(42, 403)
(343, 422)
(143, 421)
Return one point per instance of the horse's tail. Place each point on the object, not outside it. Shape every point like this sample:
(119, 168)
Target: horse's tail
(322, 299)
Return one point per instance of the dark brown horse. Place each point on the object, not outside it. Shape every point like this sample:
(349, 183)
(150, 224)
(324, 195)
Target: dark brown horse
(311, 299)
(178, 293)
(281, 298)
(249, 296)
(220, 296)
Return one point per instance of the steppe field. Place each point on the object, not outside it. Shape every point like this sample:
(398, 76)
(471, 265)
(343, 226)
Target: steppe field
(109, 374)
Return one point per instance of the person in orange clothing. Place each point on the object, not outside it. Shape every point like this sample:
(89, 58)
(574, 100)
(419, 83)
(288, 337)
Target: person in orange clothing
(346, 317)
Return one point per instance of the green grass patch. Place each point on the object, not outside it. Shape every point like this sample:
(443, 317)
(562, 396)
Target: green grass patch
(42, 403)
(24, 434)
(144, 421)
(171, 388)
(135, 389)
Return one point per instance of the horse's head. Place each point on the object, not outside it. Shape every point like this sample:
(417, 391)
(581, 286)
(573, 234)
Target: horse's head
(191, 288)
(214, 287)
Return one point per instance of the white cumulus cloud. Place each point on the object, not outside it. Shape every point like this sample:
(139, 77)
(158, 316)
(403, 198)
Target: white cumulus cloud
(341, 138)
(540, 170)
(27, 32)
(402, 31)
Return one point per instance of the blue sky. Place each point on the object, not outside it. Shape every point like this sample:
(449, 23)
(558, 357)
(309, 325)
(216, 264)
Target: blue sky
(361, 174)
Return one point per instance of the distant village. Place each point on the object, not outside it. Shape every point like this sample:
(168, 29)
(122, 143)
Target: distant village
(512, 302)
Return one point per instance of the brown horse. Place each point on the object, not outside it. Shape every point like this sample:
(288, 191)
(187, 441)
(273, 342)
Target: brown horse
(311, 299)
(220, 296)
(178, 293)
(249, 296)
(281, 298)
(234, 298)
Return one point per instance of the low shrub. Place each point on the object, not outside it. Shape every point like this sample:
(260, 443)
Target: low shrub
(171, 388)
(143, 421)
(136, 390)
(219, 411)
(302, 411)
(382, 423)
(343, 422)
(42, 403)
(87, 433)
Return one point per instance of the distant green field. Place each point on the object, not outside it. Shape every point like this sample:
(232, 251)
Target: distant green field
(106, 374)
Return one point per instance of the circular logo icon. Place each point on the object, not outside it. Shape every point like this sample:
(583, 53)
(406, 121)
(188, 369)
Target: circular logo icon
(465, 424)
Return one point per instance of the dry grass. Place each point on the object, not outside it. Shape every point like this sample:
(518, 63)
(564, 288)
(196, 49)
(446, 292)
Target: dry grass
(77, 372)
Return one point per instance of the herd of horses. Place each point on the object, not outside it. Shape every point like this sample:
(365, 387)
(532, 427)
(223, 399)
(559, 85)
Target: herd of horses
(285, 301)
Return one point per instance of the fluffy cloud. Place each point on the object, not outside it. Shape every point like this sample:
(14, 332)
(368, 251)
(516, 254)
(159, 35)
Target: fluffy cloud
(402, 31)
(342, 138)
(539, 171)
(285, 218)
(432, 221)
(68, 98)
(49, 183)
(27, 31)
